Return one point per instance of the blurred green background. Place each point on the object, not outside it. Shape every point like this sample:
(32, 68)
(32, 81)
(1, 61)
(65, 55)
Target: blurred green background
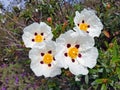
(15, 73)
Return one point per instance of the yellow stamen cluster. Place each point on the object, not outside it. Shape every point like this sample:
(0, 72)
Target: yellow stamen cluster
(83, 26)
(73, 52)
(47, 58)
(38, 38)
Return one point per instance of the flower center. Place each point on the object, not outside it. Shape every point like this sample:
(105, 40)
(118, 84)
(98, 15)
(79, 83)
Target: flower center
(38, 38)
(83, 26)
(73, 52)
(47, 59)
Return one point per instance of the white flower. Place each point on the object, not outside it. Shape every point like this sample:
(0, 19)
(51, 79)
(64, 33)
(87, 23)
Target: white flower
(36, 33)
(76, 52)
(88, 21)
(43, 61)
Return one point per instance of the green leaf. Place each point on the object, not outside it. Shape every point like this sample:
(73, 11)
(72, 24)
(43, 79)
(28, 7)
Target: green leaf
(104, 72)
(118, 71)
(97, 81)
(115, 55)
(103, 87)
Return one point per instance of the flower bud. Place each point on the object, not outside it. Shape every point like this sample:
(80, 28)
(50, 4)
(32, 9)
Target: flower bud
(108, 5)
(64, 25)
(49, 19)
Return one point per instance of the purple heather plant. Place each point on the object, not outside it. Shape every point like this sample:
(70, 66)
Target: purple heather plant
(3, 88)
(16, 80)
(7, 80)
(23, 74)
(3, 65)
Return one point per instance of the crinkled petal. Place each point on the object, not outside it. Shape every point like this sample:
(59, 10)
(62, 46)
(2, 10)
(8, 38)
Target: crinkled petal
(79, 17)
(51, 45)
(35, 54)
(44, 28)
(32, 28)
(84, 40)
(37, 68)
(76, 68)
(60, 58)
(89, 57)
(95, 27)
(88, 12)
(41, 69)
(39, 45)
(27, 39)
(66, 38)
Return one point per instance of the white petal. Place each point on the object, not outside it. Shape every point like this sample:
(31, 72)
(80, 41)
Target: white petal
(78, 18)
(52, 71)
(67, 38)
(84, 40)
(88, 12)
(48, 36)
(51, 45)
(76, 68)
(35, 27)
(42, 69)
(95, 26)
(89, 57)
(39, 45)
(35, 54)
(37, 68)
(27, 39)
(60, 58)
(44, 28)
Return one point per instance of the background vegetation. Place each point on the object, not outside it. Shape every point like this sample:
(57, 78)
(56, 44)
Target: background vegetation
(15, 73)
